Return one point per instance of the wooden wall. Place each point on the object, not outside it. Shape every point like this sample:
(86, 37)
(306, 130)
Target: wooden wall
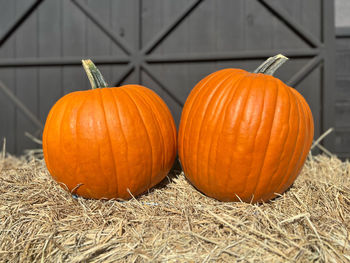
(40, 60)
(342, 103)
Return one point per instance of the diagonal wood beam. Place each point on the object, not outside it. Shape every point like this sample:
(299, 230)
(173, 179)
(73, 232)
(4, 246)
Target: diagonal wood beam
(304, 71)
(31, 116)
(170, 27)
(299, 30)
(103, 27)
(233, 55)
(148, 71)
(130, 68)
(19, 21)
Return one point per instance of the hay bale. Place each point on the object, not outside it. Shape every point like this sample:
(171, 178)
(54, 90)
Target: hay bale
(174, 222)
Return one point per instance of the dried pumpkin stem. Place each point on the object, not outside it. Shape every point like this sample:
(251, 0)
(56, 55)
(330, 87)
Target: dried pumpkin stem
(271, 65)
(95, 77)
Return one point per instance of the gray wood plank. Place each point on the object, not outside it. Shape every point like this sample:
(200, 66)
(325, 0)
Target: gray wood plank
(342, 113)
(343, 62)
(152, 23)
(328, 33)
(311, 87)
(26, 79)
(125, 26)
(343, 88)
(231, 33)
(311, 19)
(342, 141)
(342, 44)
(257, 26)
(122, 21)
(155, 16)
(283, 36)
(7, 76)
(97, 42)
(203, 37)
(49, 45)
(177, 76)
(152, 20)
(74, 45)
(229, 30)
(7, 18)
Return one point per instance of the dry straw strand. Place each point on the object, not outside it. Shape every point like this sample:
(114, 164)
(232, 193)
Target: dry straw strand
(42, 222)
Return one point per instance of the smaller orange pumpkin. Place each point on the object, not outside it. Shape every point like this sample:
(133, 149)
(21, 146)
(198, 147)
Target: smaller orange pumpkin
(109, 142)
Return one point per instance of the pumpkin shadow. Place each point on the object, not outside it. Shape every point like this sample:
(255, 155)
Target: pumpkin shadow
(174, 172)
(178, 169)
(277, 197)
(280, 196)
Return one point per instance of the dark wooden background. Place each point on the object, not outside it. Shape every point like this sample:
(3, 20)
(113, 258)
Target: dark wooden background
(166, 45)
(342, 100)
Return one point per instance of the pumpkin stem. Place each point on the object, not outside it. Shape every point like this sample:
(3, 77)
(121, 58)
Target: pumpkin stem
(95, 77)
(271, 65)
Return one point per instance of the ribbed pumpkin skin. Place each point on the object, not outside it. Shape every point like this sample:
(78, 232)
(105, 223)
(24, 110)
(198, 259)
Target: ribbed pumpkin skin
(110, 140)
(244, 136)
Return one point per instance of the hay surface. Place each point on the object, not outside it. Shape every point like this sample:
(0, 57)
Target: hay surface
(174, 223)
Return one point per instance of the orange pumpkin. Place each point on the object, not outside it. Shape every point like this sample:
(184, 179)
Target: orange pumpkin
(244, 136)
(109, 142)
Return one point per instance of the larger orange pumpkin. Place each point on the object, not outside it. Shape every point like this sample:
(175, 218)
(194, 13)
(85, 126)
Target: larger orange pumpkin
(109, 142)
(244, 136)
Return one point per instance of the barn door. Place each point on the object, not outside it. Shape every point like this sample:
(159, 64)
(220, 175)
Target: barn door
(164, 44)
